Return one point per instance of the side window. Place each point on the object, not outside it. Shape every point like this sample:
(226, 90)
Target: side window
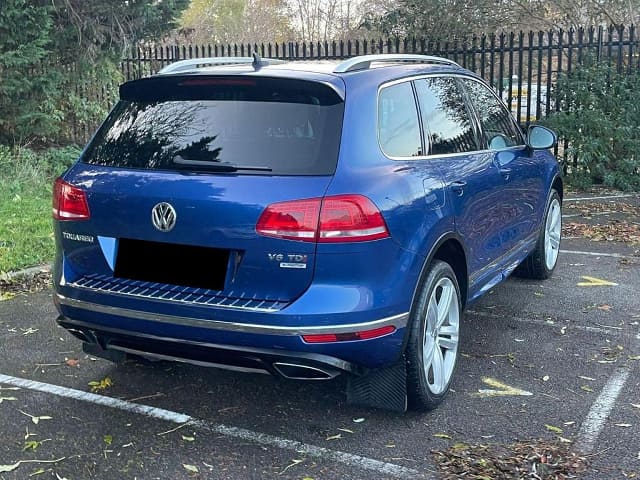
(445, 117)
(398, 127)
(500, 130)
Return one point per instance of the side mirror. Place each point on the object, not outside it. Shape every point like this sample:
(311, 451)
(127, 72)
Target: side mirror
(541, 138)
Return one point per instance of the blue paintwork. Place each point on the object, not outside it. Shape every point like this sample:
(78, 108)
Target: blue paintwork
(496, 217)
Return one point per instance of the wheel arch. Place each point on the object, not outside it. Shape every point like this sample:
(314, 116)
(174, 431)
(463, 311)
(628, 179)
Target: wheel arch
(558, 185)
(450, 249)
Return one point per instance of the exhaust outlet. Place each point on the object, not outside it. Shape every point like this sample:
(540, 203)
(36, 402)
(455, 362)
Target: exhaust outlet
(293, 371)
(84, 335)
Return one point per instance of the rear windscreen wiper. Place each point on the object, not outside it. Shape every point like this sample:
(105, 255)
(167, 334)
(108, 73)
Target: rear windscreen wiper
(216, 166)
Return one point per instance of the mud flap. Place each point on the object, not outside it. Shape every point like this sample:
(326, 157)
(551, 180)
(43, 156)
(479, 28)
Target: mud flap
(385, 388)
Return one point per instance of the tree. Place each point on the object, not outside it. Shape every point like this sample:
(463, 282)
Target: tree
(48, 46)
(463, 18)
(438, 19)
(25, 89)
(90, 30)
(236, 21)
(545, 14)
(317, 20)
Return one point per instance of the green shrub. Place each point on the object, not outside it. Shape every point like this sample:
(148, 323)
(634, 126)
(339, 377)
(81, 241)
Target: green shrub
(24, 169)
(600, 118)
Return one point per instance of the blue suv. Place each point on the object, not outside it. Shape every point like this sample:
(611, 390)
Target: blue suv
(305, 219)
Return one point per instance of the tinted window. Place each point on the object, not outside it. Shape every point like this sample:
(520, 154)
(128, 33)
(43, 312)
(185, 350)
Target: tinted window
(277, 127)
(499, 129)
(445, 117)
(398, 128)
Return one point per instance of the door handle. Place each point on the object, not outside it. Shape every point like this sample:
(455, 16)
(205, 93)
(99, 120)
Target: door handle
(458, 187)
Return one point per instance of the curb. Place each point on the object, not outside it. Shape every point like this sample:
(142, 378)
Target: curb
(26, 272)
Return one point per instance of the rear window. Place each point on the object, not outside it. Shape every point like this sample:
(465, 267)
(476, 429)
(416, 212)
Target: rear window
(234, 124)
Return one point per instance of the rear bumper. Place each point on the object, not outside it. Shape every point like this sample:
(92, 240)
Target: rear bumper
(116, 344)
(235, 345)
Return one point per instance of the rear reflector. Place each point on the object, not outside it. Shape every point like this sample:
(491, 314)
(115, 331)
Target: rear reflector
(69, 202)
(349, 337)
(339, 218)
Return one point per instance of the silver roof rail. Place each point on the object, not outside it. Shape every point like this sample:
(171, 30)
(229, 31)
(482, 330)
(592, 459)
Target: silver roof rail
(190, 64)
(364, 62)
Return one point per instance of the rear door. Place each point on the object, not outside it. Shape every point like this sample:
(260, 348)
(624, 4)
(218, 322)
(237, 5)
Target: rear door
(207, 155)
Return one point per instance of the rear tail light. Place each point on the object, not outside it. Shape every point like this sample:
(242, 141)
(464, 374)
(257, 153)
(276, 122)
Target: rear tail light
(349, 337)
(339, 218)
(69, 202)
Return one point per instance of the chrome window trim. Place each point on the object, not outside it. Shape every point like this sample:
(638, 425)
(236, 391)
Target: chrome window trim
(447, 155)
(504, 107)
(398, 321)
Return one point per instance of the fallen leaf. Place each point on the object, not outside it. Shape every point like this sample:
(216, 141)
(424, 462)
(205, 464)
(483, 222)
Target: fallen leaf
(190, 468)
(553, 428)
(9, 468)
(345, 430)
(2, 399)
(564, 440)
(108, 439)
(100, 385)
(625, 425)
(604, 308)
(635, 405)
(545, 378)
(188, 439)
(586, 378)
(586, 388)
(31, 445)
(34, 418)
(39, 471)
(72, 362)
(334, 437)
(442, 435)
(633, 357)
(295, 462)
(358, 420)
(13, 466)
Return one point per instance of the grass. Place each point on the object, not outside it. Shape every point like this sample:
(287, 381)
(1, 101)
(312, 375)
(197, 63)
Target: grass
(26, 236)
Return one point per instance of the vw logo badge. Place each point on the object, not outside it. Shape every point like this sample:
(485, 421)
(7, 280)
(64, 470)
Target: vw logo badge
(163, 216)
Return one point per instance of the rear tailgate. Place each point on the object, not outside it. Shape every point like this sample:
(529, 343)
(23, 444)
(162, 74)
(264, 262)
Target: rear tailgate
(211, 153)
(215, 212)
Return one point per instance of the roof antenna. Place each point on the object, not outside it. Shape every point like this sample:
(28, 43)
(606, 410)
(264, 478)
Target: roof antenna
(257, 61)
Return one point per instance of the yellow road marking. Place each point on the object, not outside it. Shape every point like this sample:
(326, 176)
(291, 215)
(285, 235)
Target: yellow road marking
(502, 389)
(595, 282)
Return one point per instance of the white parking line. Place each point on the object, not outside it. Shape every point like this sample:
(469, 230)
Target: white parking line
(594, 254)
(599, 412)
(365, 463)
(606, 197)
(533, 321)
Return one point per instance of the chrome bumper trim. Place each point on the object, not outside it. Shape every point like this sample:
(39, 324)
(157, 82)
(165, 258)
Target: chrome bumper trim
(398, 321)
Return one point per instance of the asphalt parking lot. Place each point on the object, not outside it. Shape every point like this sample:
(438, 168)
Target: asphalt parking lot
(555, 360)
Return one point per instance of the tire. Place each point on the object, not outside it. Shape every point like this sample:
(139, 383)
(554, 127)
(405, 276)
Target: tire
(432, 348)
(543, 260)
